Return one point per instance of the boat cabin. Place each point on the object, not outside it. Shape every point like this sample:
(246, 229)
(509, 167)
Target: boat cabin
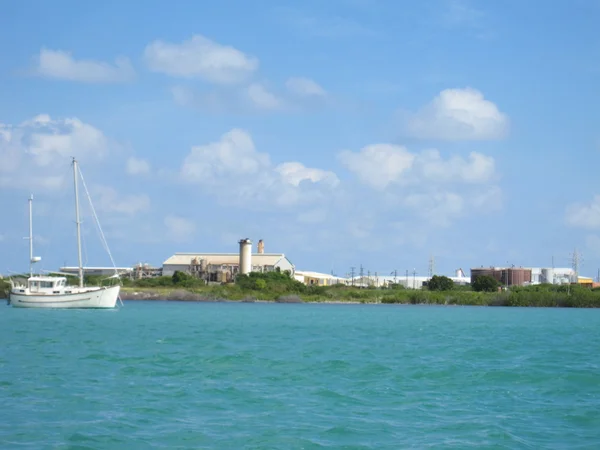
(49, 285)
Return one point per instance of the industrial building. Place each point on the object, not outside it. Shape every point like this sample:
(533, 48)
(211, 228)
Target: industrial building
(318, 279)
(522, 276)
(507, 276)
(223, 267)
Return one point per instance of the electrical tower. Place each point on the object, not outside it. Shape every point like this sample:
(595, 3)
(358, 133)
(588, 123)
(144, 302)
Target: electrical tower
(576, 262)
(431, 270)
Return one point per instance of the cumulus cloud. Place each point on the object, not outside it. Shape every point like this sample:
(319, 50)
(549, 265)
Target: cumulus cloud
(33, 152)
(178, 228)
(200, 57)
(378, 165)
(137, 166)
(59, 64)
(262, 98)
(294, 173)
(381, 165)
(425, 185)
(584, 215)
(304, 87)
(235, 171)
(459, 114)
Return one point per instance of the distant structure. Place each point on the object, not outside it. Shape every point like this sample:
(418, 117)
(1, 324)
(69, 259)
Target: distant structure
(223, 267)
(245, 256)
(523, 276)
(261, 247)
(506, 276)
(141, 271)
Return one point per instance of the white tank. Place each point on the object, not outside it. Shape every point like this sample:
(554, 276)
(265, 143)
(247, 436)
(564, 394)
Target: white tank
(547, 276)
(245, 256)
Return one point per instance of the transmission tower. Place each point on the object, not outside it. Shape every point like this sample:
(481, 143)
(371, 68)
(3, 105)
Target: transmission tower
(431, 270)
(576, 262)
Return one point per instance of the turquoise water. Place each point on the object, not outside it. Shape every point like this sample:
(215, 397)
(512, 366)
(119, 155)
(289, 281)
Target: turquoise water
(272, 376)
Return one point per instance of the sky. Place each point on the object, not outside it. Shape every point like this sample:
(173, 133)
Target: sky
(344, 133)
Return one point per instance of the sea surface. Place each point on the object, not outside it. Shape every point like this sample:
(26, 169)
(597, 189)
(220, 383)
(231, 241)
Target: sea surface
(174, 375)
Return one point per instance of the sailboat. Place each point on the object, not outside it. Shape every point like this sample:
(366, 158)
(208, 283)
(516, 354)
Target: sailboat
(52, 291)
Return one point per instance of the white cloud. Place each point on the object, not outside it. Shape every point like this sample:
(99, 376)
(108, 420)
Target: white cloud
(107, 199)
(232, 169)
(378, 165)
(584, 215)
(459, 114)
(233, 155)
(179, 229)
(61, 65)
(200, 57)
(381, 165)
(262, 98)
(304, 87)
(34, 153)
(137, 166)
(294, 173)
(478, 168)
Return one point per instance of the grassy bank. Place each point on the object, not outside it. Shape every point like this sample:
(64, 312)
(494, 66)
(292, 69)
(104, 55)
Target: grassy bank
(281, 288)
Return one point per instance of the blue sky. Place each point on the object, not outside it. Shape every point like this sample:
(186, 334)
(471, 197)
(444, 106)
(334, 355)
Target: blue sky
(342, 133)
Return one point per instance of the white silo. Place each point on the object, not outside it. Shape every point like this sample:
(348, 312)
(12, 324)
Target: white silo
(245, 256)
(548, 276)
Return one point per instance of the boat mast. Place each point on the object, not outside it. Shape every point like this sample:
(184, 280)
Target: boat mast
(30, 236)
(78, 222)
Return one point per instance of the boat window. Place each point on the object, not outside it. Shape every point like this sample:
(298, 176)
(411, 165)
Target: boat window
(45, 284)
(34, 284)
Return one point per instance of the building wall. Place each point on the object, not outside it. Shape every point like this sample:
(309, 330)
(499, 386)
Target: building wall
(170, 269)
(284, 264)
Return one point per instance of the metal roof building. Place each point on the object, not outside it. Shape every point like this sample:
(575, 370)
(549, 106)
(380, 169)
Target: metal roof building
(225, 262)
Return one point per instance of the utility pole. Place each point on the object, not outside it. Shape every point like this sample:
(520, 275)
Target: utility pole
(406, 278)
(376, 280)
(395, 273)
(352, 274)
(414, 278)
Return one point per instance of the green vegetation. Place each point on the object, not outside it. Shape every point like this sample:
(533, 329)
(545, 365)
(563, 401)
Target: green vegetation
(440, 283)
(485, 283)
(4, 288)
(280, 286)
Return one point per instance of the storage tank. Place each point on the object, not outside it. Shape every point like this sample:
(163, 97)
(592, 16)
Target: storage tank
(516, 276)
(486, 271)
(261, 246)
(547, 276)
(245, 256)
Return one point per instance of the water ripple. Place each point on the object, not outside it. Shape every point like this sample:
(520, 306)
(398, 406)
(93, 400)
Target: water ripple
(256, 376)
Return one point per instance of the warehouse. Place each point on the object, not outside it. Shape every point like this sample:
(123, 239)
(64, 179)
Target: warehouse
(223, 267)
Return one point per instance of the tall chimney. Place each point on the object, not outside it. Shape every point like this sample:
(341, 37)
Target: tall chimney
(261, 246)
(245, 256)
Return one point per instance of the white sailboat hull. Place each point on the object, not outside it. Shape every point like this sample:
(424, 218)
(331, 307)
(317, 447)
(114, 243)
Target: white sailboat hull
(92, 297)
